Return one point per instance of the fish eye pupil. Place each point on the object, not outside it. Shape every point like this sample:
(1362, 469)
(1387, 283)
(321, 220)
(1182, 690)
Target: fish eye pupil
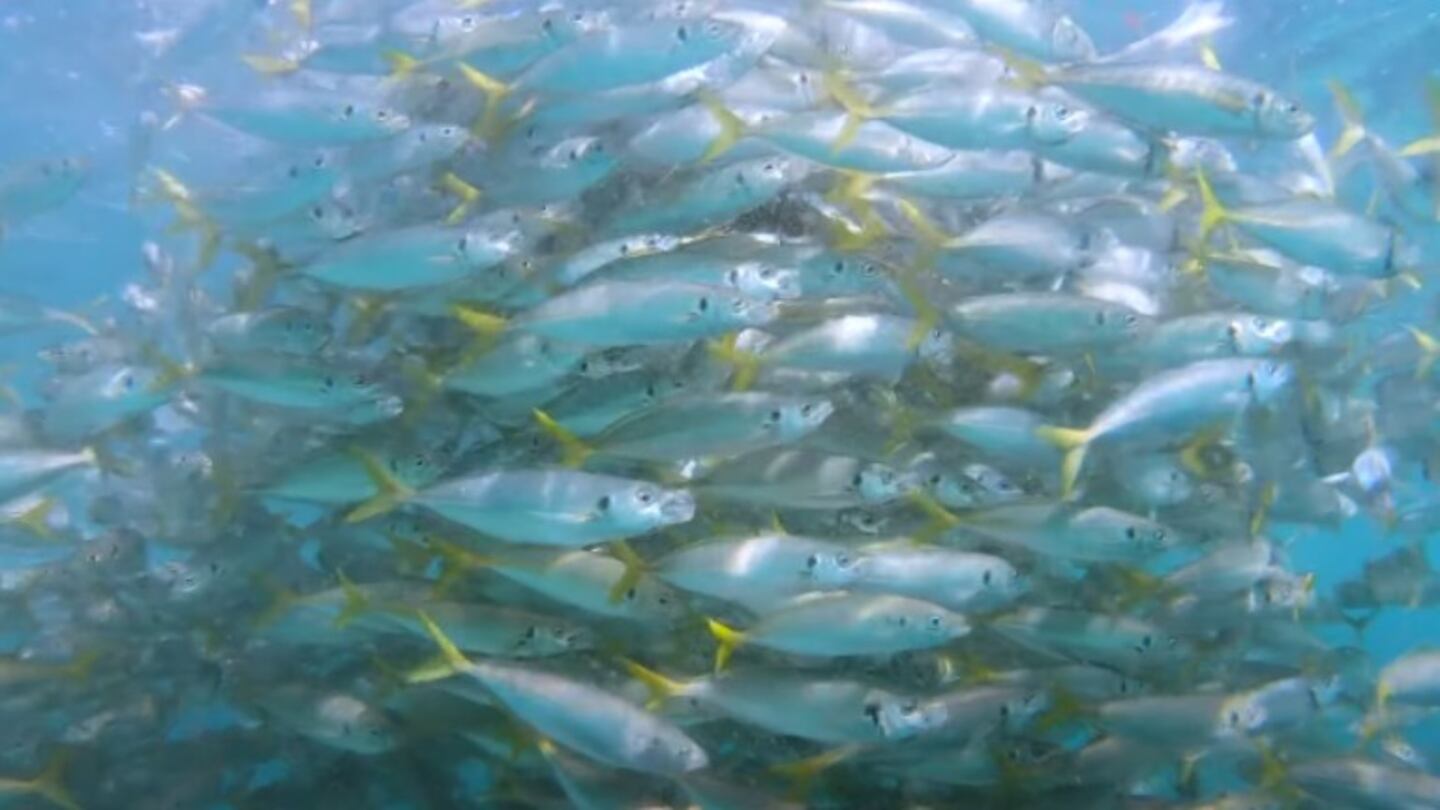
(1130, 532)
(681, 34)
(703, 304)
(603, 504)
(349, 110)
(986, 577)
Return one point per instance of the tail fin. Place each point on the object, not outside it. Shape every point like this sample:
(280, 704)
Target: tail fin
(1074, 443)
(401, 63)
(392, 491)
(355, 602)
(726, 639)
(1429, 351)
(455, 561)
(489, 126)
(802, 772)
(574, 450)
(1353, 131)
(1213, 213)
(282, 599)
(466, 193)
(660, 687)
(732, 129)
(47, 784)
(746, 364)
(480, 322)
(36, 519)
(635, 566)
(453, 656)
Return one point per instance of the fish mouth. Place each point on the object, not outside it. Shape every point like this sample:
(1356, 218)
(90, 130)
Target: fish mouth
(678, 507)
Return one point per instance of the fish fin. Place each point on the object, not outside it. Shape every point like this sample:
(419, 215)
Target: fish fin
(1137, 585)
(802, 772)
(1075, 443)
(462, 190)
(480, 322)
(49, 783)
(270, 65)
(355, 602)
(941, 519)
(455, 561)
(36, 519)
(1353, 131)
(838, 88)
(282, 599)
(453, 656)
(660, 687)
(1262, 509)
(635, 566)
(77, 321)
(1213, 213)
(1029, 74)
(401, 64)
(489, 126)
(1208, 57)
(746, 365)
(1424, 146)
(573, 449)
(1172, 197)
(726, 640)
(79, 667)
(1274, 773)
(1429, 351)
(435, 669)
(1065, 707)
(302, 12)
(932, 238)
(732, 128)
(392, 491)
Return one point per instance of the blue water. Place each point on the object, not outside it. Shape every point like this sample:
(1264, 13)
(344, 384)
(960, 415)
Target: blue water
(74, 78)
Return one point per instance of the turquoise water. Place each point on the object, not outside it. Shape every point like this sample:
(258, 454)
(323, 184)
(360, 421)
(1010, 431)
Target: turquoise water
(79, 78)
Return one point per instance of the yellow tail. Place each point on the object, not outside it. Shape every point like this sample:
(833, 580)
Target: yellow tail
(462, 190)
(635, 567)
(660, 687)
(726, 639)
(802, 772)
(392, 492)
(453, 656)
(573, 449)
(1075, 443)
(1353, 132)
(1213, 213)
(489, 126)
(47, 784)
(732, 129)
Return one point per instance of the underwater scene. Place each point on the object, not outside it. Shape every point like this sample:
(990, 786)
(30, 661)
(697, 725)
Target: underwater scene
(719, 404)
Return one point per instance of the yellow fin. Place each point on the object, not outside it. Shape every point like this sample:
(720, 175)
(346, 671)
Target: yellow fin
(1429, 351)
(746, 364)
(468, 194)
(401, 63)
(732, 129)
(455, 561)
(282, 599)
(392, 491)
(453, 656)
(802, 772)
(1353, 131)
(36, 519)
(1172, 197)
(270, 65)
(845, 94)
(1213, 212)
(355, 602)
(573, 449)
(48, 784)
(479, 321)
(1208, 57)
(1074, 443)
(1424, 146)
(435, 669)
(634, 568)
(928, 232)
(489, 125)
(660, 687)
(726, 639)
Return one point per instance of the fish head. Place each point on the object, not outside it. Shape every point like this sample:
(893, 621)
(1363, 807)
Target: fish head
(1242, 714)
(1054, 121)
(1256, 334)
(735, 311)
(764, 282)
(878, 483)
(1069, 42)
(663, 751)
(641, 506)
(936, 347)
(1373, 468)
(546, 639)
(953, 491)
(707, 36)
(1269, 381)
(792, 420)
(1145, 536)
(832, 569)
(382, 119)
(291, 329)
(1281, 117)
(899, 717)
(435, 141)
(1001, 581)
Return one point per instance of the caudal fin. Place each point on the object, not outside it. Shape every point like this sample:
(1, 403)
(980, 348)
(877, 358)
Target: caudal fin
(1075, 443)
(726, 640)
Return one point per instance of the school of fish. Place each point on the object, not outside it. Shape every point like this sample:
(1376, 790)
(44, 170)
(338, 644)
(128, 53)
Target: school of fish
(726, 404)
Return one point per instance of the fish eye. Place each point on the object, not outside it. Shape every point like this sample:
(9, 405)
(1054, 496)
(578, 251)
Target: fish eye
(986, 577)
(319, 161)
(574, 154)
(381, 115)
(128, 381)
(645, 496)
(1250, 380)
(349, 110)
(1062, 112)
(603, 504)
(837, 268)
(682, 34)
(1258, 99)
(812, 561)
(1146, 642)
(858, 480)
(1005, 710)
(293, 172)
(1129, 532)
(935, 622)
(775, 416)
(630, 596)
(1031, 112)
(463, 243)
(1292, 108)
(842, 560)
(703, 304)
